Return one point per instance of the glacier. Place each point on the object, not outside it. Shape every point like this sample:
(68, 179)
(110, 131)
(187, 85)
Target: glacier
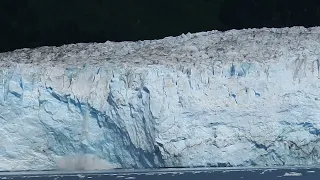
(237, 98)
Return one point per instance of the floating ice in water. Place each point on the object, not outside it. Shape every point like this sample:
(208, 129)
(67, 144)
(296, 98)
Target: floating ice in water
(293, 174)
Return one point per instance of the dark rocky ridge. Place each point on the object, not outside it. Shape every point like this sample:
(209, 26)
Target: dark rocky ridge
(32, 23)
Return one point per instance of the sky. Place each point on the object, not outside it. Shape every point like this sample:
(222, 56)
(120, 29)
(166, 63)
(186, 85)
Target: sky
(34, 23)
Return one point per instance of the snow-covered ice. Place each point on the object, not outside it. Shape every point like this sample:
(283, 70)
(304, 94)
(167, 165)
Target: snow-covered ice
(236, 98)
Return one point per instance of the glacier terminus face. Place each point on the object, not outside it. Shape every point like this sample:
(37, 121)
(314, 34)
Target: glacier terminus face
(235, 98)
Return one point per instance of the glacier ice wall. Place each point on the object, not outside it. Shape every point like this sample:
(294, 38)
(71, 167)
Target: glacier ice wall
(236, 98)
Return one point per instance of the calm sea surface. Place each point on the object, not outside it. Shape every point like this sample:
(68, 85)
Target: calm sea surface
(173, 174)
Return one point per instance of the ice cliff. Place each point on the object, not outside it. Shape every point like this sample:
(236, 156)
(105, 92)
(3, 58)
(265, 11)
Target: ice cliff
(236, 98)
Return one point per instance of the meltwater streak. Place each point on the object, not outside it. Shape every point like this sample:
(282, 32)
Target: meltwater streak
(301, 173)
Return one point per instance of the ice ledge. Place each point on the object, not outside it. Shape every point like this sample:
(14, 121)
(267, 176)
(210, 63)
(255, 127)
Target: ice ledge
(238, 98)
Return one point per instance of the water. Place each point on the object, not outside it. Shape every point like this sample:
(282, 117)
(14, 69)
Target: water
(173, 174)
